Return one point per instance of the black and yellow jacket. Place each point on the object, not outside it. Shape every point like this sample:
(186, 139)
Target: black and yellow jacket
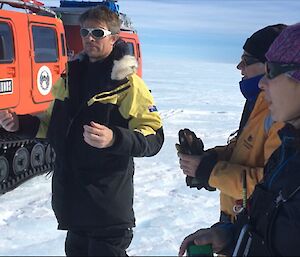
(93, 188)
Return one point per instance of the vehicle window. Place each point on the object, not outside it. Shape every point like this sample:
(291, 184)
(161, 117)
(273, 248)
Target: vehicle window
(131, 48)
(139, 50)
(6, 43)
(45, 44)
(63, 45)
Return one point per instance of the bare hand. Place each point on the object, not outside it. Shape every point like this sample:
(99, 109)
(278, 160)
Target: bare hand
(9, 120)
(189, 163)
(98, 135)
(218, 237)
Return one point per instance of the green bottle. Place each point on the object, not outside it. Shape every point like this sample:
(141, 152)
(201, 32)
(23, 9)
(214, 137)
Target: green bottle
(199, 250)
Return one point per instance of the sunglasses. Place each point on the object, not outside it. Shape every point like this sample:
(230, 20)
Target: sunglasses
(274, 69)
(248, 60)
(96, 33)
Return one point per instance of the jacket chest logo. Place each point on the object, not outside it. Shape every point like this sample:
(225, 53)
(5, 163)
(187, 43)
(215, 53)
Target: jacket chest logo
(248, 143)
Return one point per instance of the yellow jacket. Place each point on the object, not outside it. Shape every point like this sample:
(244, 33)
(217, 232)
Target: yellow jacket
(249, 152)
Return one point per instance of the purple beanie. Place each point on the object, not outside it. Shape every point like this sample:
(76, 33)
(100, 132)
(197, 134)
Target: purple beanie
(286, 48)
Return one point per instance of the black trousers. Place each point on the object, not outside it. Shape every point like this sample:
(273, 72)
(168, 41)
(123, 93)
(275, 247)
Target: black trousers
(108, 243)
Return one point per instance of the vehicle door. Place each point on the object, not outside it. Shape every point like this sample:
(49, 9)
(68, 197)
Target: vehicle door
(9, 81)
(45, 60)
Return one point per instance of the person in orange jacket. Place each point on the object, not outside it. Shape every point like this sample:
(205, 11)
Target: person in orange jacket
(223, 167)
(269, 225)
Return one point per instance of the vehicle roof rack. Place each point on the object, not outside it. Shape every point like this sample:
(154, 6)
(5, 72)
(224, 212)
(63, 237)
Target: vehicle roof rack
(31, 5)
(70, 10)
(110, 4)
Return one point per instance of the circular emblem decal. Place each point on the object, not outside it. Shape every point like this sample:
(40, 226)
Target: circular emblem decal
(44, 80)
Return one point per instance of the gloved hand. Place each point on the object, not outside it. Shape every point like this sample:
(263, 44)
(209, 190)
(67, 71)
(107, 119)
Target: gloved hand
(220, 237)
(9, 120)
(190, 144)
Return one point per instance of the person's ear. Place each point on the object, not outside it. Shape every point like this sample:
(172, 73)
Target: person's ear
(114, 39)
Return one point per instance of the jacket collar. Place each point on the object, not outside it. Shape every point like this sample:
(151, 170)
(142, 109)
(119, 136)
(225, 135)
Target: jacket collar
(123, 63)
(249, 88)
(290, 136)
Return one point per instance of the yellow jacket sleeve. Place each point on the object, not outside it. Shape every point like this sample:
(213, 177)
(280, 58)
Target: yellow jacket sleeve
(227, 176)
(224, 152)
(137, 105)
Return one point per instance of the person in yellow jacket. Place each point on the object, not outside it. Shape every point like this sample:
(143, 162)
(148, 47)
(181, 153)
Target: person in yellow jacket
(224, 167)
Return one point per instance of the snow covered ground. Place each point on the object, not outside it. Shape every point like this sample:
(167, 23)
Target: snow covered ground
(201, 96)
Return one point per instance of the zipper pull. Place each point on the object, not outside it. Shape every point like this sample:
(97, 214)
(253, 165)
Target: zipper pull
(244, 190)
(279, 199)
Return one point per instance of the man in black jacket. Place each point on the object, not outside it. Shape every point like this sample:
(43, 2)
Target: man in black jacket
(103, 116)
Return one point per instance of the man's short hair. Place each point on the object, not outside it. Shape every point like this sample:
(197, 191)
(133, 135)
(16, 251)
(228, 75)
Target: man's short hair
(102, 14)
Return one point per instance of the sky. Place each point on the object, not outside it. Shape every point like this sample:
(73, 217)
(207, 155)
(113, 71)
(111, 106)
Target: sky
(190, 50)
(209, 30)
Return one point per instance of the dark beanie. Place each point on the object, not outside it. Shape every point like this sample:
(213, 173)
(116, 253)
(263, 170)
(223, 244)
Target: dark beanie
(258, 44)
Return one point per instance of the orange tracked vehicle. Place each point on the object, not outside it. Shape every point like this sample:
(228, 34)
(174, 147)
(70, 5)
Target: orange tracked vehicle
(35, 44)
